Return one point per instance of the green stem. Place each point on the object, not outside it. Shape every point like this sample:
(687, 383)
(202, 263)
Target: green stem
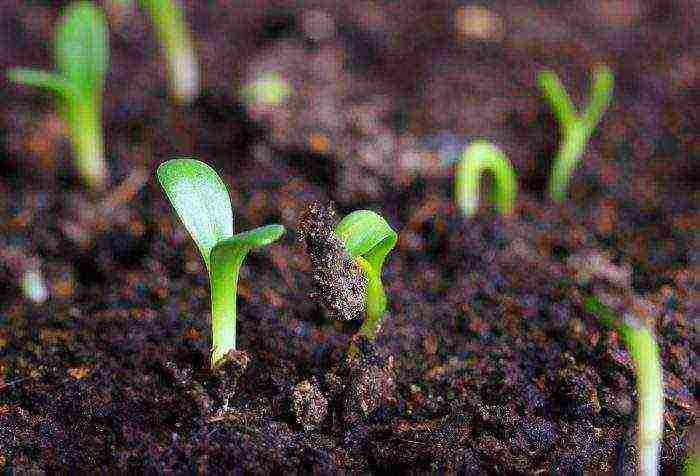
(375, 303)
(83, 115)
(574, 139)
(224, 284)
(644, 353)
(650, 393)
(177, 46)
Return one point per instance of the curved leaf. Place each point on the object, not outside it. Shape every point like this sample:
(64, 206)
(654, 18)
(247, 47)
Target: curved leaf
(41, 79)
(200, 199)
(367, 234)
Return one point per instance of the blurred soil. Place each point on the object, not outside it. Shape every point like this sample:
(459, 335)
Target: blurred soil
(487, 362)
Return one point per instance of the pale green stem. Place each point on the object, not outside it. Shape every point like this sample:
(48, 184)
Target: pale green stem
(573, 144)
(650, 393)
(85, 128)
(177, 46)
(224, 285)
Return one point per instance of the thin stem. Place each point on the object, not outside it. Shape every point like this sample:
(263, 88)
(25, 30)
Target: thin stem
(224, 284)
(479, 157)
(573, 144)
(375, 303)
(644, 353)
(83, 116)
(177, 46)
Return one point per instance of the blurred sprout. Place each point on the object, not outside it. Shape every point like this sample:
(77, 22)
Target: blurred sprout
(269, 89)
(81, 49)
(576, 128)
(481, 156)
(177, 45)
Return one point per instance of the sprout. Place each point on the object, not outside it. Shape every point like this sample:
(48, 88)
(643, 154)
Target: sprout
(177, 45)
(576, 129)
(201, 200)
(82, 54)
(347, 262)
(269, 89)
(369, 239)
(478, 157)
(644, 353)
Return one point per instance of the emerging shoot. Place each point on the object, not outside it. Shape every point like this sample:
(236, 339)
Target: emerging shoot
(478, 157)
(347, 262)
(644, 353)
(176, 43)
(81, 50)
(576, 129)
(201, 200)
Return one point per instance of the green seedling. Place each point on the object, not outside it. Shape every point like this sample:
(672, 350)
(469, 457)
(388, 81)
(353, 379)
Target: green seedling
(369, 239)
(200, 198)
(270, 89)
(576, 129)
(81, 50)
(644, 353)
(177, 46)
(478, 157)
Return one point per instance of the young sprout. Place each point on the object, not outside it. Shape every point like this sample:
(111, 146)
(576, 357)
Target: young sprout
(347, 262)
(478, 157)
(644, 353)
(369, 239)
(270, 89)
(201, 200)
(177, 45)
(576, 129)
(82, 55)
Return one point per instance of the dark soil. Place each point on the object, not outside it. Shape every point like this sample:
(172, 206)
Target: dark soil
(487, 362)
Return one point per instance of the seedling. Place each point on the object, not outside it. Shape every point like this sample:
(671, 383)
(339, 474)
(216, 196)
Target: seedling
(369, 239)
(478, 157)
(644, 353)
(82, 55)
(270, 89)
(200, 198)
(576, 129)
(176, 43)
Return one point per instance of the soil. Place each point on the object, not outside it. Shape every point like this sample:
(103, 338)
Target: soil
(487, 362)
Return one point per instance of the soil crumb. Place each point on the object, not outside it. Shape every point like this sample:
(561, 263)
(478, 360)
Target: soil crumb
(338, 280)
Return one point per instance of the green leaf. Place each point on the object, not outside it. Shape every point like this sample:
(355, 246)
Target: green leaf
(200, 199)
(247, 240)
(367, 234)
(82, 47)
(41, 79)
(555, 92)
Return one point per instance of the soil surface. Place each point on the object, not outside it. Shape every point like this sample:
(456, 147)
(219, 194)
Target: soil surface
(487, 362)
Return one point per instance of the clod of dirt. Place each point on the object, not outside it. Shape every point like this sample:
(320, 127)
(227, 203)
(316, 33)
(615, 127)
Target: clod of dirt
(229, 370)
(371, 382)
(309, 405)
(182, 378)
(338, 279)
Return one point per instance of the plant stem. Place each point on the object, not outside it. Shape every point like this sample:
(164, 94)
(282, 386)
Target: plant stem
(574, 139)
(85, 129)
(644, 353)
(650, 393)
(177, 46)
(376, 300)
(223, 277)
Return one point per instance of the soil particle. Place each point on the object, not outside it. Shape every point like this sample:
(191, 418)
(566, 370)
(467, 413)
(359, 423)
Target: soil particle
(309, 405)
(371, 382)
(338, 281)
(229, 370)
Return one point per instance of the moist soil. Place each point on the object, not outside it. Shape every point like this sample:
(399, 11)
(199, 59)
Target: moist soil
(487, 362)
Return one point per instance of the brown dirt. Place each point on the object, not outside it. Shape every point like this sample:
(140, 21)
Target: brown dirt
(487, 362)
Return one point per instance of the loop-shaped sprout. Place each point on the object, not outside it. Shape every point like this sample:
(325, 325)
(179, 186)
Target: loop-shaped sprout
(481, 156)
